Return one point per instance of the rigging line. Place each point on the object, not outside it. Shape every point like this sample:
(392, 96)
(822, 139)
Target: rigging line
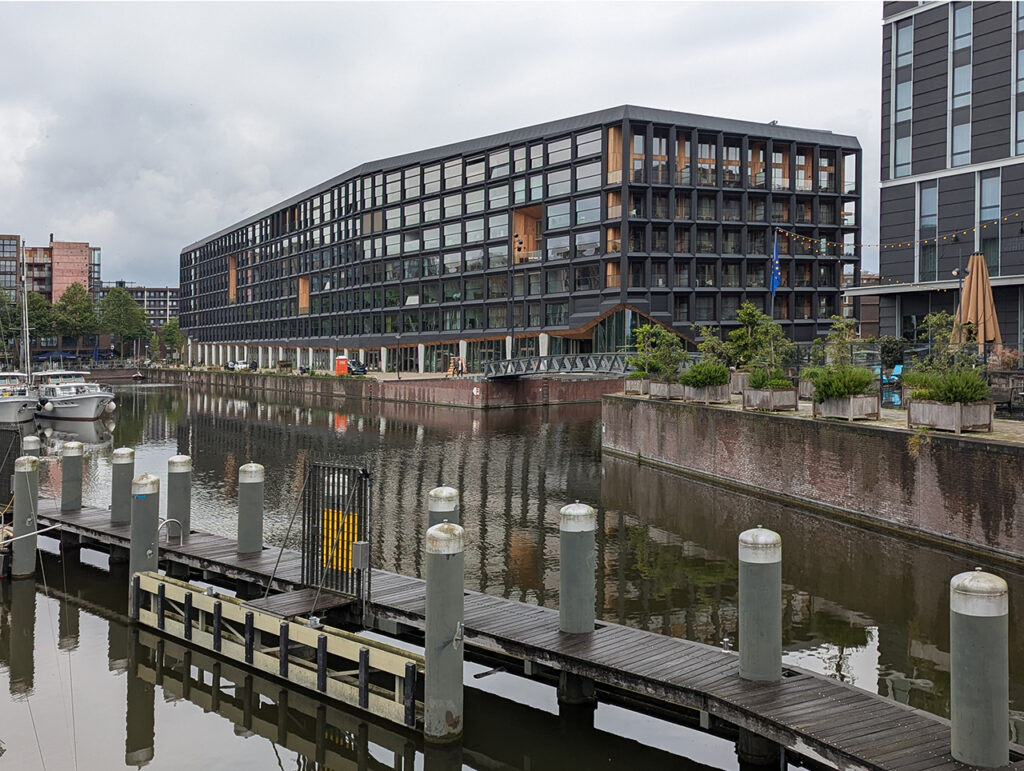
(71, 679)
(39, 746)
(288, 532)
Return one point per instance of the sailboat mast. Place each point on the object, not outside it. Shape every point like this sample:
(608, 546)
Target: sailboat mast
(26, 353)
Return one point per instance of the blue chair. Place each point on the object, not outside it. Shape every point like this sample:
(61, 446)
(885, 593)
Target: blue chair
(897, 371)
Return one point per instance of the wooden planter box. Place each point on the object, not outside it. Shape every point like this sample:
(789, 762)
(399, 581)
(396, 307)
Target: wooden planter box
(806, 389)
(973, 416)
(676, 391)
(639, 387)
(773, 399)
(851, 408)
(707, 394)
(738, 381)
(659, 390)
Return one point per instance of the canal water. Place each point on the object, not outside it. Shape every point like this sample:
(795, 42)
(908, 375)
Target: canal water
(87, 691)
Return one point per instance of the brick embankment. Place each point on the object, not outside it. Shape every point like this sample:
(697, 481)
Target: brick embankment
(963, 492)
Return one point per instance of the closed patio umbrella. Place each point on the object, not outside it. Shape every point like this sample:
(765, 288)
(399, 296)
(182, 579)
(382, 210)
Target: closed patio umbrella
(976, 304)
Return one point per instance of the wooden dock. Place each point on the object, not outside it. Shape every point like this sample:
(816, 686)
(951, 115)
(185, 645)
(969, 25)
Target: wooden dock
(806, 713)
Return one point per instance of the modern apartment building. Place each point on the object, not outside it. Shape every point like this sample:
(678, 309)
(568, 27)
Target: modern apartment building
(160, 303)
(556, 238)
(50, 269)
(952, 159)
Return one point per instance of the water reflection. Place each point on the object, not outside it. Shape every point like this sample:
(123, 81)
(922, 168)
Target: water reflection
(859, 606)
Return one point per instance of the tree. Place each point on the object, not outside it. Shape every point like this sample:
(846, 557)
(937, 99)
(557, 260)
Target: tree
(41, 320)
(122, 317)
(659, 352)
(75, 314)
(154, 345)
(173, 338)
(10, 321)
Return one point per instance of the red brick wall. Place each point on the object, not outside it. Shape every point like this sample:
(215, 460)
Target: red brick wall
(963, 491)
(70, 266)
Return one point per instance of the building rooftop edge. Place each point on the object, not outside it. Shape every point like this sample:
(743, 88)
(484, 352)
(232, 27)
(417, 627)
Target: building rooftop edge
(536, 131)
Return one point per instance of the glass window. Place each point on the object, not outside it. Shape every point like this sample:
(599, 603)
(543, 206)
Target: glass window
(902, 156)
(560, 150)
(412, 214)
(452, 319)
(474, 289)
(452, 290)
(659, 274)
(556, 280)
(587, 278)
(961, 26)
(453, 234)
(497, 286)
(536, 187)
(990, 196)
(431, 238)
(452, 262)
(558, 215)
(431, 265)
(475, 171)
(497, 256)
(474, 201)
(588, 144)
(431, 210)
(705, 274)
(536, 156)
(961, 144)
(452, 173)
(929, 207)
(452, 206)
(497, 197)
(498, 163)
(588, 176)
(926, 263)
(704, 308)
(588, 244)
(961, 85)
(432, 179)
(904, 99)
(497, 226)
(519, 159)
(474, 259)
(557, 247)
(559, 182)
(474, 231)
(393, 218)
(588, 210)
(904, 42)
(556, 314)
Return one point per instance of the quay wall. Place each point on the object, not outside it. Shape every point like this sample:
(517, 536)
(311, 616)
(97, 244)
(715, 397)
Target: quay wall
(962, 492)
(457, 392)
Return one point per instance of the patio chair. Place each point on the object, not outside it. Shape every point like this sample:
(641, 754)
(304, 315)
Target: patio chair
(897, 372)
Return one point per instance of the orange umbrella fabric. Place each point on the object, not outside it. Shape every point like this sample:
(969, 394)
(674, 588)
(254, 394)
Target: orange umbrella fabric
(976, 304)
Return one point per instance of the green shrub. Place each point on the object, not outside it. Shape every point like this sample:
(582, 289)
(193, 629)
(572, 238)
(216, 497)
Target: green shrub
(708, 372)
(638, 375)
(958, 385)
(769, 378)
(891, 350)
(840, 382)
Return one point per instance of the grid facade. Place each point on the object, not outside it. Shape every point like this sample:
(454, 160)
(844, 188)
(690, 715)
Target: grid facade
(160, 304)
(952, 158)
(576, 229)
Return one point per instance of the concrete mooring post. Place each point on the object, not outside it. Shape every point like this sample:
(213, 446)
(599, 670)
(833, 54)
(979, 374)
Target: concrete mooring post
(143, 551)
(30, 445)
(443, 505)
(122, 472)
(250, 508)
(179, 493)
(760, 604)
(979, 669)
(71, 476)
(442, 693)
(26, 499)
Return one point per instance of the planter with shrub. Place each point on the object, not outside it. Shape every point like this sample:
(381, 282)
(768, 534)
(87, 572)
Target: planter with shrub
(845, 392)
(706, 381)
(956, 400)
(770, 390)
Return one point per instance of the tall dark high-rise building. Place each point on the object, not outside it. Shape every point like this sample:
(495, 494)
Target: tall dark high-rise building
(556, 238)
(952, 159)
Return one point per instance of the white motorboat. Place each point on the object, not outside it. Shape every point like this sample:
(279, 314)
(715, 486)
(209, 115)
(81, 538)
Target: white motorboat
(18, 401)
(66, 395)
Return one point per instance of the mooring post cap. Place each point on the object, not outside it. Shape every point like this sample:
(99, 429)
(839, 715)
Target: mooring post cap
(577, 518)
(30, 442)
(179, 463)
(978, 593)
(443, 499)
(250, 472)
(26, 463)
(71, 449)
(445, 538)
(759, 544)
(146, 484)
(123, 455)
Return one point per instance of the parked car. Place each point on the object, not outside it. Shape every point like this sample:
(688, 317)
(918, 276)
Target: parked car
(253, 366)
(229, 365)
(356, 367)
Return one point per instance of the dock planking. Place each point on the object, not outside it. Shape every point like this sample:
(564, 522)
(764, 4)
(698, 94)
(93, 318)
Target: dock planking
(844, 724)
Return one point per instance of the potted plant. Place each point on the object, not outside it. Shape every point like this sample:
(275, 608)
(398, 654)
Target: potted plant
(743, 343)
(954, 400)
(842, 390)
(659, 353)
(706, 381)
(816, 360)
(768, 387)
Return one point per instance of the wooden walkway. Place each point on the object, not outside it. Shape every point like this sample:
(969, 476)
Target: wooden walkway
(804, 712)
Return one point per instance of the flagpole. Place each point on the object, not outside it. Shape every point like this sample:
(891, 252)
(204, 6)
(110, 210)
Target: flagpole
(771, 275)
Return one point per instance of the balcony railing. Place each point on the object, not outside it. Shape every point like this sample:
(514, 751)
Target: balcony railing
(849, 220)
(612, 282)
(535, 255)
(637, 176)
(849, 187)
(614, 212)
(780, 183)
(730, 177)
(803, 218)
(804, 185)
(659, 175)
(683, 176)
(756, 180)
(614, 246)
(615, 177)
(705, 176)
(826, 182)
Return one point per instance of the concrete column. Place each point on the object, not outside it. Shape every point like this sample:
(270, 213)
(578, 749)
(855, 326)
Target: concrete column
(463, 350)
(71, 477)
(421, 358)
(383, 359)
(30, 445)
(330, 361)
(122, 471)
(250, 508)
(979, 669)
(245, 354)
(22, 651)
(443, 504)
(298, 357)
(140, 710)
(179, 494)
(543, 344)
(26, 500)
(445, 572)
(760, 604)
(143, 554)
(259, 357)
(280, 353)
(576, 527)
(508, 346)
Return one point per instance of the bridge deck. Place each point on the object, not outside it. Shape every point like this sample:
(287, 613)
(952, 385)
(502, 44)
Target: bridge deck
(804, 711)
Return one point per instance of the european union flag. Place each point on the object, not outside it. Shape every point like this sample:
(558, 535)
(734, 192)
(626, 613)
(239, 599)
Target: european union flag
(776, 277)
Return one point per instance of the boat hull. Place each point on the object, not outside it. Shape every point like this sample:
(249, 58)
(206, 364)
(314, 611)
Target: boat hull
(88, 406)
(17, 409)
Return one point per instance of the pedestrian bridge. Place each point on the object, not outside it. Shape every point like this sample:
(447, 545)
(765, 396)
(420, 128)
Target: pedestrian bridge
(577, 363)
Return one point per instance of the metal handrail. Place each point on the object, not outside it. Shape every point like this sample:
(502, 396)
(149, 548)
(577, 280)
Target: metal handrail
(609, 363)
(181, 529)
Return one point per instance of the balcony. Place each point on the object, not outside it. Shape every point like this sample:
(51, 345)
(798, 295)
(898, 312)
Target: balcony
(706, 176)
(826, 182)
(683, 176)
(612, 281)
(849, 187)
(533, 256)
(803, 218)
(756, 180)
(659, 175)
(780, 183)
(730, 178)
(615, 246)
(615, 177)
(849, 220)
(804, 185)
(614, 212)
(637, 176)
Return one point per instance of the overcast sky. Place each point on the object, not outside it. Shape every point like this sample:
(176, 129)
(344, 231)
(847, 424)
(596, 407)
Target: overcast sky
(143, 127)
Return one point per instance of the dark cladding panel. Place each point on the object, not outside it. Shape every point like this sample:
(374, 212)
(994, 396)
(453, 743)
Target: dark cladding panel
(990, 82)
(1012, 247)
(897, 227)
(886, 97)
(891, 9)
(931, 83)
(956, 214)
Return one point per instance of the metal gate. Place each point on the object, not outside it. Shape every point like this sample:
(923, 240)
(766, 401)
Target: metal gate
(10, 449)
(336, 529)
